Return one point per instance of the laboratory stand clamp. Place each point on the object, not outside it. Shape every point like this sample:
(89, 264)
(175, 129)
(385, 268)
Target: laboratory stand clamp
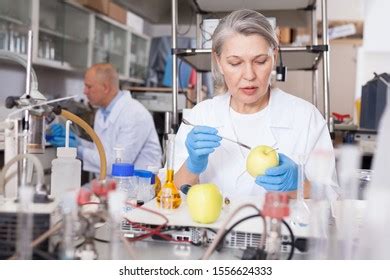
(62, 231)
(28, 211)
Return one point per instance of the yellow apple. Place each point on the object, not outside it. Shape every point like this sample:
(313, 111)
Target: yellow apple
(204, 203)
(260, 159)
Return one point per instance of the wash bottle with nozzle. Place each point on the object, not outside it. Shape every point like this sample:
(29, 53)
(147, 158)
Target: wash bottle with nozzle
(65, 169)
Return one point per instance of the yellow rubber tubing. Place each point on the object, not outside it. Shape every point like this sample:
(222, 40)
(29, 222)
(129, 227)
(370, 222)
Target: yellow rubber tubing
(102, 154)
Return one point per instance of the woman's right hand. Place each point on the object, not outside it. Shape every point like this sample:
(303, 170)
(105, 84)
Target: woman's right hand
(200, 143)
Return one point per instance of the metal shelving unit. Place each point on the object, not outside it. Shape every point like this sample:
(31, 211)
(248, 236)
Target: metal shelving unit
(304, 58)
(294, 12)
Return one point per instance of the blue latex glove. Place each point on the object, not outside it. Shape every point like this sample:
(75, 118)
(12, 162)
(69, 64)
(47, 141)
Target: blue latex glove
(282, 178)
(56, 136)
(200, 143)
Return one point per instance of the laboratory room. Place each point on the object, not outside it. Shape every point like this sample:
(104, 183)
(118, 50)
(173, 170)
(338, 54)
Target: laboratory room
(194, 130)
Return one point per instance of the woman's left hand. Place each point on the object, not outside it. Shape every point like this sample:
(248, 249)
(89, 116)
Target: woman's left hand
(282, 178)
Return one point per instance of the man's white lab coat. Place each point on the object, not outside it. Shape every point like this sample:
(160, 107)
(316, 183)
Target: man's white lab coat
(293, 125)
(130, 126)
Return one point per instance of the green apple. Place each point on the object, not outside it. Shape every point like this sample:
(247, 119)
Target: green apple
(204, 203)
(260, 159)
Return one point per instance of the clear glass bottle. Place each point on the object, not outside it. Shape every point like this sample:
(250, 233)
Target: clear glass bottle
(144, 187)
(156, 179)
(123, 174)
(169, 181)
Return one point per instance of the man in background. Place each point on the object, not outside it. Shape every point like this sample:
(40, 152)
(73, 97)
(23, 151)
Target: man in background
(120, 122)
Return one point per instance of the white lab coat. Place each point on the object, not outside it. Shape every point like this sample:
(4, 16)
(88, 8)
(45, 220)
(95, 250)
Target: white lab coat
(292, 124)
(130, 126)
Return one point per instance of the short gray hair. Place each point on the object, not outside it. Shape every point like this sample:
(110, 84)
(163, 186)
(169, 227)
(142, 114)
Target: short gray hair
(245, 22)
(107, 72)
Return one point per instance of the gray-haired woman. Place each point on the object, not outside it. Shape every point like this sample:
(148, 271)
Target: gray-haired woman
(249, 110)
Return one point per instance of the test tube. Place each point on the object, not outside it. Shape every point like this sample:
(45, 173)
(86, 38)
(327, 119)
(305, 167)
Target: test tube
(116, 203)
(319, 241)
(25, 223)
(349, 162)
(301, 213)
(374, 242)
(69, 214)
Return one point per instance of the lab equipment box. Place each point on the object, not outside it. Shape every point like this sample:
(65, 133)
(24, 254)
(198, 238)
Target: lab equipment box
(375, 94)
(101, 6)
(117, 12)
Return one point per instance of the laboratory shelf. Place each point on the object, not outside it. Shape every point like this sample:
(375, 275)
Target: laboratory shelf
(286, 12)
(61, 65)
(108, 51)
(292, 13)
(69, 36)
(11, 20)
(61, 35)
(295, 58)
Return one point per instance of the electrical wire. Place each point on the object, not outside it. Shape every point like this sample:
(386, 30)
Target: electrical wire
(188, 28)
(262, 246)
(221, 234)
(221, 231)
(101, 240)
(204, 31)
(152, 232)
(280, 56)
(264, 236)
(291, 254)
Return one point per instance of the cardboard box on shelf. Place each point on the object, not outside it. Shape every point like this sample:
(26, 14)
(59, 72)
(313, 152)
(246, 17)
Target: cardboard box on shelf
(117, 12)
(343, 28)
(337, 29)
(301, 36)
(135, 22)
(285, 35)
(100, 6)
